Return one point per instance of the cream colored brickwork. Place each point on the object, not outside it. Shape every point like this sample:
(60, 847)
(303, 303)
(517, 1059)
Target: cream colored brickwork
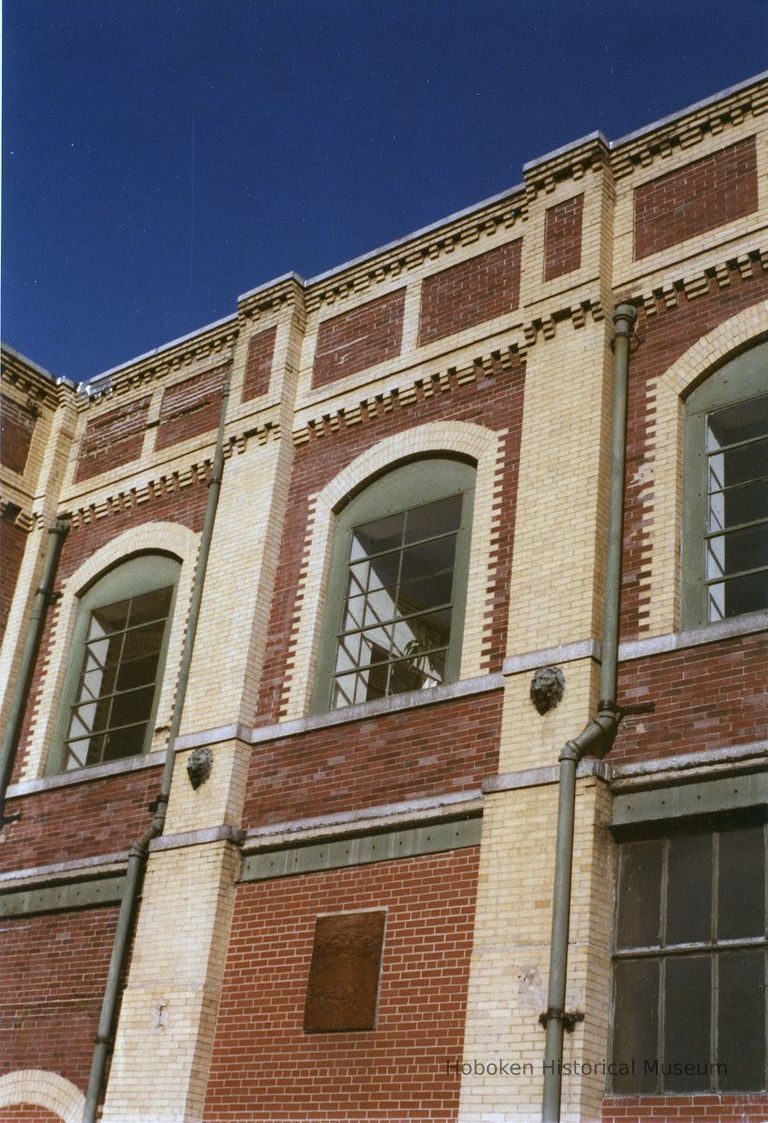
(483, 446)
(44, 1089)
(233, 625)
(663, 469)
(529, 740)
(162, 1049)
(510, 958)
(219, 800)
(169, 537)
(558, 558)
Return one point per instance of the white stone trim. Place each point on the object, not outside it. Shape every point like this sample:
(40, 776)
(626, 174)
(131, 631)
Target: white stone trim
(465, 438)
(665, 465)
(44, 1089)
(170, 537)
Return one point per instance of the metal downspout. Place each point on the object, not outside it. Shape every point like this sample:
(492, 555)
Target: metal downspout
(43, 598)
(139, 852)
(598, 736)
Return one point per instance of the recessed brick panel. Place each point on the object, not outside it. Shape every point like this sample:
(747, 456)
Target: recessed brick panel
(562, 237)
(17, 425)
(344, 973)
(482, 288)
(191, 407)
(697, 197)
(359, 339)
(12, 542)
(112, 439)
(265, 1068)
(258, 364)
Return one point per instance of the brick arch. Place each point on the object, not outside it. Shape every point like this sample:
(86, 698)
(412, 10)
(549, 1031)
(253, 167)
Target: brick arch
(37, 1090)
(690, 368)
(481, 445)
(165, 537)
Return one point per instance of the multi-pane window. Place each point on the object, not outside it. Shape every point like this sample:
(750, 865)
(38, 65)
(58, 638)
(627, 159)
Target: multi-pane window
(737, 508)
(116, 690)
(396, 626)
(690, 962)
(725, 508)
(397, 587)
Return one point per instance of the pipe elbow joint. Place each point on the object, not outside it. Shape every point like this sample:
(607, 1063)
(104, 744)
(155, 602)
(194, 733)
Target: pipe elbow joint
(595, 739)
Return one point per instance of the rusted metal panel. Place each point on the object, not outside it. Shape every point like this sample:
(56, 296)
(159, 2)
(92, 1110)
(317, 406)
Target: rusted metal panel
(344, 976)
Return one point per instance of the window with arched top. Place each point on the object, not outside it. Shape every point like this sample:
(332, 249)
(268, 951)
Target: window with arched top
(725, 508)
(396, 594)
(116, 664)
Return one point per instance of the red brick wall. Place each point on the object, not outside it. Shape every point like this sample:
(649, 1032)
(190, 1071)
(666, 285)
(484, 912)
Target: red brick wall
(27, 1113)
(190, 407)
(697, 197)
(16, 427)
(562, 237)
(359, 338)
(265, 1067)
(185, 505)
(53, 969)
(448, 746)
(706, 697)
(495, 402)
(12, 542)
(664, 337)
(471, 292)
(79, 821)
(258, 364)
(733, 1108)
(112, 439)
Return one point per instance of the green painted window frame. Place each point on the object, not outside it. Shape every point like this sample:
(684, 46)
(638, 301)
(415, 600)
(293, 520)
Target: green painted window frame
(143, 573)
(737, 381)
(404, 487)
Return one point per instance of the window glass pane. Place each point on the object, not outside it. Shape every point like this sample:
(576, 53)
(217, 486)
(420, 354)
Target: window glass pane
(384, 570)
(138, 672)
(639, 895)
(737, 550)
(416, 674)
(133, 706)
(426, 592)
(741, 1020)
(109, 618)
(635, 1044)
(433, 519)
(741, 888)
(687, 1018)
(737, 465)
(739, 422)
(430, 557)
(738, 595)
(381, 534)
(742, 504)
(150, 606)
(146, 640)
(689, 889)
(123, 742)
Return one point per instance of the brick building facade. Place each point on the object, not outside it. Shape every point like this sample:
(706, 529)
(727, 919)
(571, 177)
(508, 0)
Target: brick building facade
(348, 918)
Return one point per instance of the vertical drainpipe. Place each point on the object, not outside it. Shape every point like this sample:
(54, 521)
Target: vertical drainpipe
(598, 736)
(43, 598)
(139, 852)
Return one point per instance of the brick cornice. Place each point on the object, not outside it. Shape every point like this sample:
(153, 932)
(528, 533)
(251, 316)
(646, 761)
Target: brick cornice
(688, 130)
(573, 162)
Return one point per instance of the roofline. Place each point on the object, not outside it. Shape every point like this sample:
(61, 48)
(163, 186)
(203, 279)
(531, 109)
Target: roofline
(158, 350)
(57, 380)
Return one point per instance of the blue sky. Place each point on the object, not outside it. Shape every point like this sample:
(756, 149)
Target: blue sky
(161, 157)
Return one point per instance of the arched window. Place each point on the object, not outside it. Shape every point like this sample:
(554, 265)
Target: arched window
(116, 664)
(397, 589)
(725, 512)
